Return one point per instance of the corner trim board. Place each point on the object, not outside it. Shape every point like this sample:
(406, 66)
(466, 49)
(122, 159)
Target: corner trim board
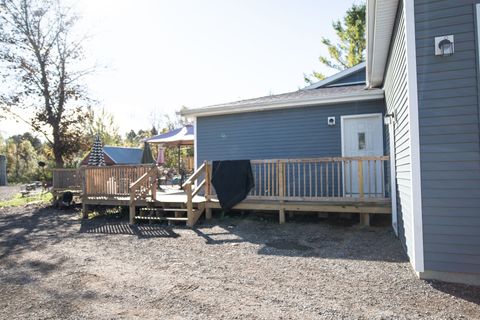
(393, 176)
(416, 183)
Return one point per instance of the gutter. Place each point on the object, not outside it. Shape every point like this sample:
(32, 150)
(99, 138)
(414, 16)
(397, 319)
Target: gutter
(381, 16)
(370, 36)
(368, 95)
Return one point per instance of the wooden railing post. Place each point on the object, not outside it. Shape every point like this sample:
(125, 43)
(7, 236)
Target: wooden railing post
(364, 217)
(84, 194)
(281, 190)
(154, 183)
(360, 179)
(132, 212)
(188, 191)
(281, 179)
(208, 190)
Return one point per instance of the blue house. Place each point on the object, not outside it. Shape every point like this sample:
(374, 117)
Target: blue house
(415, 99)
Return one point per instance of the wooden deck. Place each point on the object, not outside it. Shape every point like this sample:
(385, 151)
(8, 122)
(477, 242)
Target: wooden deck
(179, 200)
(179, 197)
(323, 185)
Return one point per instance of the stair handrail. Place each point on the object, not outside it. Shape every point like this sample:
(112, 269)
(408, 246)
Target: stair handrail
(140, 181)
(191, 188)
(195, 175)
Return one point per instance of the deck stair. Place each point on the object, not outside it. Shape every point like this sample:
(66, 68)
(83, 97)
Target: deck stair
(160, 213)
(145, 206)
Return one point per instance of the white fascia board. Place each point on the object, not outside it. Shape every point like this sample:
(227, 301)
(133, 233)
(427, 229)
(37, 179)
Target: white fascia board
(416, 181)
(335, 77)
(368, 95)
(380, 23)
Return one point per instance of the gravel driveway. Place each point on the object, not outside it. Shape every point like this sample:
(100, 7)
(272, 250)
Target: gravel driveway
(55, 266)
(8, 192)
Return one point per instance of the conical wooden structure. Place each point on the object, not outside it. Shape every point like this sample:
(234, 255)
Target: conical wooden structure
(96, 155)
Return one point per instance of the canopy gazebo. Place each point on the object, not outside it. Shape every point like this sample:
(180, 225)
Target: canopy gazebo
(178, 138)
(183, 136)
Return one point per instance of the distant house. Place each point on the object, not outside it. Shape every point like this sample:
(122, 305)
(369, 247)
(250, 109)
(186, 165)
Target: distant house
(119, 155)
(416, 99)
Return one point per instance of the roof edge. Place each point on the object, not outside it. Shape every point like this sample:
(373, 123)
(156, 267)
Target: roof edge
(118, 147)
(110, 156)
(337, 76)
(380, 24)
(367, 95)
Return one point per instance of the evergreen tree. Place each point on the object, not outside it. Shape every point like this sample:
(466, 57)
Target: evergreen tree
(350, 50)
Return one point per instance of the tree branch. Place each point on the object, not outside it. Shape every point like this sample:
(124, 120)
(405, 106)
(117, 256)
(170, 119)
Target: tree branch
(20, 118)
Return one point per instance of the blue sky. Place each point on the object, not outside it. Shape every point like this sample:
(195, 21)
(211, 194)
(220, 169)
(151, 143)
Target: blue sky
(159, 55)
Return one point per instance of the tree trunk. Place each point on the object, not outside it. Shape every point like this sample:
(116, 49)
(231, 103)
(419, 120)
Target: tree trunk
(57, 149)
(58, 157)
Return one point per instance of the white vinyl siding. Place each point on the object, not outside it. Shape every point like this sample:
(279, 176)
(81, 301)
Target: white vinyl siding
(396, 96)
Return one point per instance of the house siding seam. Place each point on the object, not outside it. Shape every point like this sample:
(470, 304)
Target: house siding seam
(397, 102)
(276, 134)
(449, 136)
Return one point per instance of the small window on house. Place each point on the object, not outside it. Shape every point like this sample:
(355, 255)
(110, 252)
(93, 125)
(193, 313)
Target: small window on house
(361, 141)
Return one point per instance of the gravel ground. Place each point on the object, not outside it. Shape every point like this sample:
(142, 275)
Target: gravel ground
(8, 192)
(55, 266)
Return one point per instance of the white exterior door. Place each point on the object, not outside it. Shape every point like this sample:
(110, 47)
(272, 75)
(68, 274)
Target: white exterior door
(362, 136)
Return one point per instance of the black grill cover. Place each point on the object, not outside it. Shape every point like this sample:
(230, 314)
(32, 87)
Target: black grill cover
(233, 180)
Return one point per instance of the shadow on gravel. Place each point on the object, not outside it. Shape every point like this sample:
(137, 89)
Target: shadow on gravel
(29, 271)
(32, 228)
(329, 239)
(102, 226)
(461, 291)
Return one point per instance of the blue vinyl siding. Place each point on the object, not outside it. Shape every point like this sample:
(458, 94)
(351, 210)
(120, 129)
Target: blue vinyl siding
(282, 134)
(276, 134)
(358, 76)
(449, 136)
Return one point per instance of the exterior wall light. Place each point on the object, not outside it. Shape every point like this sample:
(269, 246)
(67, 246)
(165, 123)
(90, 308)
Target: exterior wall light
(389, 119)
(331, 121)
(444, 46)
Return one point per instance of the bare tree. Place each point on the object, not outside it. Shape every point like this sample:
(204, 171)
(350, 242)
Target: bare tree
(41, 72)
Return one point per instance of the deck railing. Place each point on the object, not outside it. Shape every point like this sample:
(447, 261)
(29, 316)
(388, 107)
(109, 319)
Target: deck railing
(146, 186)
(112, 180)
(319, 178)
(67, 179)
(313, 179)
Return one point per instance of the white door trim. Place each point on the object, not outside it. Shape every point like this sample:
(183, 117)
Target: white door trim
(354, 116)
